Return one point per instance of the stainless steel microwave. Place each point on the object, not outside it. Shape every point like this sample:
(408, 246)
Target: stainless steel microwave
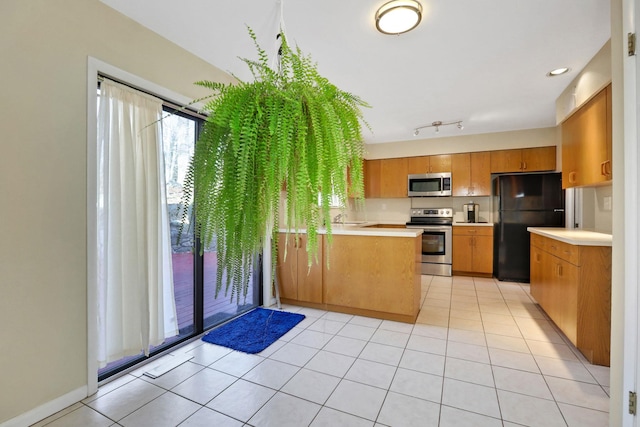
(429, 184)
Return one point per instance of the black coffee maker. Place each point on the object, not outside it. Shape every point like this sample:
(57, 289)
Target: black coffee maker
(471, 212)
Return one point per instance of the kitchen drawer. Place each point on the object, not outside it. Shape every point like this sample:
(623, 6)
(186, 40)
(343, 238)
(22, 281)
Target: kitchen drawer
(564, 251)
(538, 241)
(470, 230)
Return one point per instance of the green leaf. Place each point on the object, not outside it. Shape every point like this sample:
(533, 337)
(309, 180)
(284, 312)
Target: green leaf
(288, 129)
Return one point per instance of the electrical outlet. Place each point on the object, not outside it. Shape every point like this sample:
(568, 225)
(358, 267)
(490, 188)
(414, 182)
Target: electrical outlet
(607, 203)
(384, 206)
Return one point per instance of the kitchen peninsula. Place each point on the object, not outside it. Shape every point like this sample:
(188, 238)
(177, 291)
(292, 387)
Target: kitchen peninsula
(368, 270)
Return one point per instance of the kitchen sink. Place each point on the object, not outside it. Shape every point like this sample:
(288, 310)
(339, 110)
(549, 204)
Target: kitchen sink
(350, 222)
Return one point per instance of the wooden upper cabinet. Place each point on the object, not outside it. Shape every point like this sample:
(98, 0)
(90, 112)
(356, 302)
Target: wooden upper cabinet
(419, 164)
(524, 160)
(441, 163)
(393, 175)
(608, 169)
(385, 178)
(471, 174)
(539, 159)
(570, 151)
(460, 174)
(429, 164)
(372, 171)
(586, 143)
(506, 161)
(481, 173)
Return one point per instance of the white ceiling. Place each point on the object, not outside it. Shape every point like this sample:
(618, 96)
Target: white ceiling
(480, 61)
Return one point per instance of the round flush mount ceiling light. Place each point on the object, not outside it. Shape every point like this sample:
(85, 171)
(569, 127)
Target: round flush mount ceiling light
(557, 72)
(398, 16)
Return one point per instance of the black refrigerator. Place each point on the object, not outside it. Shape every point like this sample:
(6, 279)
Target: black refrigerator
(521, 201)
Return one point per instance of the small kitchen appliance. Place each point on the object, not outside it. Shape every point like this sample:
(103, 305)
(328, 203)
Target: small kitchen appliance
(429, 184)
(471, 212)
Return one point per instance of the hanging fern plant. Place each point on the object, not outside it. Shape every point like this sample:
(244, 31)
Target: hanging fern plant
(290, 130)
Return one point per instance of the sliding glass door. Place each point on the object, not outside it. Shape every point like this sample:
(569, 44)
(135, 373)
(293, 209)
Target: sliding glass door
(197, 306)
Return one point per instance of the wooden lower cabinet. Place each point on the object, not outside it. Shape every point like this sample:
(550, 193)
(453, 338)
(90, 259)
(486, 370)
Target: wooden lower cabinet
(472, 250)
(298, 281)
(375, 276)
(572, 284)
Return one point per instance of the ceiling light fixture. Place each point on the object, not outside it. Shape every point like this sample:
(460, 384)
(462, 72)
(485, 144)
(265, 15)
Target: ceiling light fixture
(558, 71)
(398, 16)
(437, 124)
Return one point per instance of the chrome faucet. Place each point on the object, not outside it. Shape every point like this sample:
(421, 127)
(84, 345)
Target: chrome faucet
(338, 217)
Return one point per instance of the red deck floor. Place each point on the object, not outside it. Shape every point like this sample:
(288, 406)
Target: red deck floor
(216, 310)
(183, 289)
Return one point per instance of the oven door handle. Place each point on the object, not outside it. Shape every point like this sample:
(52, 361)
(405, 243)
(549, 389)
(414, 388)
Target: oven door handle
(432, 227)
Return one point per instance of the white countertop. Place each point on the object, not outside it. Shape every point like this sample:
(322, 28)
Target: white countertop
(574, 236)
(364, 228)
(473, 224)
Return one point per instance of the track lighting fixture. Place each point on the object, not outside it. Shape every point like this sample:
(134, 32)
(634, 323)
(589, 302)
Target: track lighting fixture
(437, 124)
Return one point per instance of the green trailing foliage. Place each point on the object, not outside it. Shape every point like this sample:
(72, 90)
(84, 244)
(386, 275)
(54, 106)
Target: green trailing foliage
(290, 133)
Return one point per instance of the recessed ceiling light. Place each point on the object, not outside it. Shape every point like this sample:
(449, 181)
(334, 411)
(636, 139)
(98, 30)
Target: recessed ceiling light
(398, 16)
(557, 72)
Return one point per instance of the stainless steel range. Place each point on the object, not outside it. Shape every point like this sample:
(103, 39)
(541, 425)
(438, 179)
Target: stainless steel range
(436, 238)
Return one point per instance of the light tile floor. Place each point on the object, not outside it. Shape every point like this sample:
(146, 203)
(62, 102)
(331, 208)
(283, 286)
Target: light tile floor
(481, 354)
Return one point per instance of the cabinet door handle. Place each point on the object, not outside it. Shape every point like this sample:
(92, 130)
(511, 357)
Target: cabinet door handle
(572, 177)
(524, 165)
(603, 168)
(607, 167)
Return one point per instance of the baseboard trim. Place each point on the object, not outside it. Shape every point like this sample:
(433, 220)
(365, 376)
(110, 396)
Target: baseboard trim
(47, 409)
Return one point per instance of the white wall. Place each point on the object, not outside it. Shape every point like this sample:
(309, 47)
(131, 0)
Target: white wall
(595, 76)
(43, 183)
(396, 211)
(597, 208)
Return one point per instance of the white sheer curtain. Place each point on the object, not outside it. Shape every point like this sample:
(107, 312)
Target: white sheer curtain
(136, 307)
